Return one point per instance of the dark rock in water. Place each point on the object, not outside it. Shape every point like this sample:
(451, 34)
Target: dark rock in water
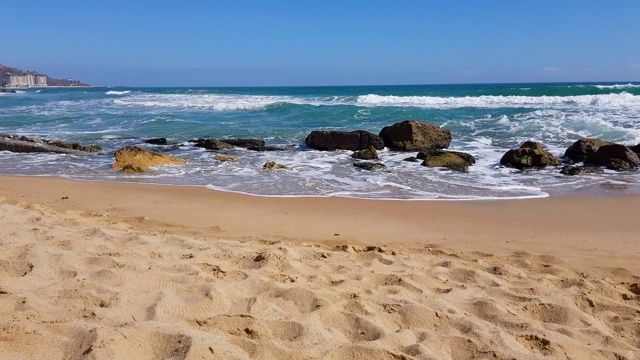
(271, 165)
(636, 149)
(343, 140)
(212, 144)
(246, 143)
(266, 148)
(584, 150)
(24, 144)
(422, 155)
(414, 135)
(616, 157)
(367, 154)
(581, 170)
(448, 159)
(411, 159)
(529, 155)
(369, 165)
(619, 165)
(157, 141)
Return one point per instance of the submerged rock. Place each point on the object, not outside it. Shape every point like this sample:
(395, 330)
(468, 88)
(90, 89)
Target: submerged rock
(272, 165)
(581, 170)
(369, 165)
(225, 158)
(157, 141)
(368, 154)
(142, 158)
(529, 155)
(412, 135)
(343, 140)
(252, 144)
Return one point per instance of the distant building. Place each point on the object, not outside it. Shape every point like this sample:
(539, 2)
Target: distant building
(28, 80)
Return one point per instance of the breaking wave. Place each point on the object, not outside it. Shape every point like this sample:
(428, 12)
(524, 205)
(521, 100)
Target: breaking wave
(113, 92)
(606, 101)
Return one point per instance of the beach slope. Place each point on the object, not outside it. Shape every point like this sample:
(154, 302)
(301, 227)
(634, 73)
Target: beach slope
(109, 271)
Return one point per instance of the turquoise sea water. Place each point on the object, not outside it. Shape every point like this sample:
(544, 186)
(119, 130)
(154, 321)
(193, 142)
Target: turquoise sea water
(485, 120)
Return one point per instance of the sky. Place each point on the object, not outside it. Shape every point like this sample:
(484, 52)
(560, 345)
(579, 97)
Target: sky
(309, 42)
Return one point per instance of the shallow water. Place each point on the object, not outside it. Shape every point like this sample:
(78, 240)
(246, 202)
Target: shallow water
(485, 120)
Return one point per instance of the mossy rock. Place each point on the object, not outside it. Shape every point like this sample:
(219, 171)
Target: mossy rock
(530, 155)
(367, 154)
(447, 160)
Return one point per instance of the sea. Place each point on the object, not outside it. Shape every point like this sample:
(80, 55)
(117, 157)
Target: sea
(485, 120)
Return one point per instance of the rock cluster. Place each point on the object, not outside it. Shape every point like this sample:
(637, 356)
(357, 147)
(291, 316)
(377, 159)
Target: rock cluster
(15, 143)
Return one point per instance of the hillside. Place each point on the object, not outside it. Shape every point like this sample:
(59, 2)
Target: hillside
(5, 71)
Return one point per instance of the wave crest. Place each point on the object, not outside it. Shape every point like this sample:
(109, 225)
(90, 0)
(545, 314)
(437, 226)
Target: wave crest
(608, 100)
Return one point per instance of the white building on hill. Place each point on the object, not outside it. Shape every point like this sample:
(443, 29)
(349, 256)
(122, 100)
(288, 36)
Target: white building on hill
(28, 80)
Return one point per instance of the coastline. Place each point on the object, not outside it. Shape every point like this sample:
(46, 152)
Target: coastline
(120, 270)
(500, 226)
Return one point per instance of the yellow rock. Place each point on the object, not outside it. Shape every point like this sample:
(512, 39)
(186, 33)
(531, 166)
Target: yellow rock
(142, 158)
(225, 158)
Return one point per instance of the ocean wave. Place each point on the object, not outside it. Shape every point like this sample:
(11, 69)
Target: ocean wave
(618, 86)
(113, 92)
(609, 100)
(227, 102)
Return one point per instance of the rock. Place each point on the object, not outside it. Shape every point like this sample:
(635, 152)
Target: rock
(252, 144)
(24, 144)
(225, 158)
(266, 148)
(157, 141)
(212, 144)
(411, 159)
(583, 150)
(422, 155)
(131, 169)
(529, 155)
(368, 154)
(369, 165)
(343, 140)
(636, 149)
(452, 160)
(616, 157)
(619, 165)
(139, 157)
(271, 165)
(581, 170)
(414, 135)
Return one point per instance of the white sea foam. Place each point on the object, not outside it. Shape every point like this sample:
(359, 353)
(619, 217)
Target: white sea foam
(226, 102)
(114, 92)
(618, 86)
(604, 101)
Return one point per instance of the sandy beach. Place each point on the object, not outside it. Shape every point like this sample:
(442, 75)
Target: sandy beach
(129, 271)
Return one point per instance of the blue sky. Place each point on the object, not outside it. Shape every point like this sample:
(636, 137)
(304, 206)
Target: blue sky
(308, 42)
